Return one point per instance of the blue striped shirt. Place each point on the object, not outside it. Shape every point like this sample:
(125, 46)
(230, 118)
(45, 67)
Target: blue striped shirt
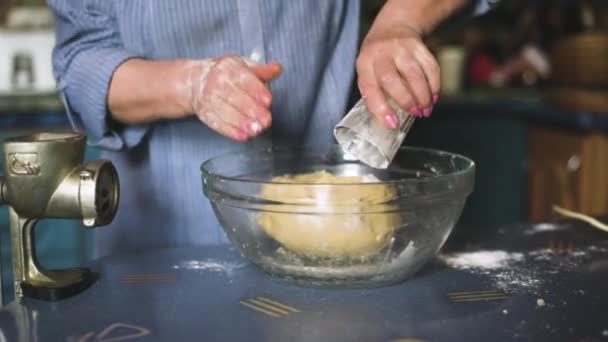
(162, 203)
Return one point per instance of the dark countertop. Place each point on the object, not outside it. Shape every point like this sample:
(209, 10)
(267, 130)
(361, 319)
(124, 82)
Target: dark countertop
(551, 286)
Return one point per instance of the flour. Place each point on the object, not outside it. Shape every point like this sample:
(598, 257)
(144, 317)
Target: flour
(516, 279)
(597, 249)
(504, 268)
(543, 228)
(208, 265)
(513, 271)
(484, 260)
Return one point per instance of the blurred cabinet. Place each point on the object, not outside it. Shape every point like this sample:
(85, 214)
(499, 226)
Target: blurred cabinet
(567, 168)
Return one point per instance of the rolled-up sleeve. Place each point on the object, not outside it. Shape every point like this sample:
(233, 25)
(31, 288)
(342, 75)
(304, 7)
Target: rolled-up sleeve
(88, 51)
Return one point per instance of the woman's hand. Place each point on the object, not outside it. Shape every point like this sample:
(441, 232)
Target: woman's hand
(395, 62)
(230, 95)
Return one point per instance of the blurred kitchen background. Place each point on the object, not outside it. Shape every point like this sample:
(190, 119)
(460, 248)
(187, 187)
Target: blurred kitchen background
(524, 95)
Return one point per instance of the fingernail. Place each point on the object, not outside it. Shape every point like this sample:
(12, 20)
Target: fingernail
(427, 111)
(264, 119)
(265, 99)
(241, 136)
(392, 121)
(435, 98)
(415, 111)
(254, 127)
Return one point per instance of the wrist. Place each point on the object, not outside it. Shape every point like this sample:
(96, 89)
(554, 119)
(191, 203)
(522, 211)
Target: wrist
(420, 16)
(403, 13)
(144, 91)
(180, 86)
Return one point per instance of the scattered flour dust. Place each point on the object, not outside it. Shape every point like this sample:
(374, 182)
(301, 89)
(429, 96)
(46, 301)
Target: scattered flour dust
(503, 267)
(483, 259)
(545, 227)
(208, 265)
(512, 271)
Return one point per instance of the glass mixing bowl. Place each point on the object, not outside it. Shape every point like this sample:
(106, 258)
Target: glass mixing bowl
(376, 227)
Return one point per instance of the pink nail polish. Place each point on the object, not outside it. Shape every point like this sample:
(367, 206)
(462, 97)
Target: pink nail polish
(392, 121)
(427, 112)
(415, 111)
(254, 127)
(260, 116)
(265, 99)
(435, 98)
(264, 119)
(241, 136)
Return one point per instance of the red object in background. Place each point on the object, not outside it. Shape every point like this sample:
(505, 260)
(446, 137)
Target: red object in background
(481, 67)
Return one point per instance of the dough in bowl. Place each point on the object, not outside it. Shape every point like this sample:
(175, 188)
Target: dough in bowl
(329, 221)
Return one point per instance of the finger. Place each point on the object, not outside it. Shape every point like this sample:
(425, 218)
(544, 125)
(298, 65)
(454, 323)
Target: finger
(244, 102)
(223, 128)
(392, 84)
(233, 133)
(257, 97)
(431, 70)
(234, 116)
(244, 78)
(234, 70)
(225, 119)
(267, 72)
(374, 98)
(417, 83)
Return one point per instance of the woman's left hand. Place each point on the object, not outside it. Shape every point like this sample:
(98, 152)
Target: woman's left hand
(394, 62)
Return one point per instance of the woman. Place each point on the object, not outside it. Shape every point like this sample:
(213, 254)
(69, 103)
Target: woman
(162, 86)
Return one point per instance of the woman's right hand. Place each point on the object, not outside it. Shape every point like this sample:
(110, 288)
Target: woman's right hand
(230, 94)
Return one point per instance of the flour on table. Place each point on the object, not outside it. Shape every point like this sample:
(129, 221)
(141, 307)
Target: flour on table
(208, 265)
(482, 259)
(543, 228)
(503, 267)
(512, 271)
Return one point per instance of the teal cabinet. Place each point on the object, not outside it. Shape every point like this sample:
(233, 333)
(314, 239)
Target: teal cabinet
(498, 145)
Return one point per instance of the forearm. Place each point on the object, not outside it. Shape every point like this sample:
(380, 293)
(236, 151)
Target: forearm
(143, 91)
(421, 15)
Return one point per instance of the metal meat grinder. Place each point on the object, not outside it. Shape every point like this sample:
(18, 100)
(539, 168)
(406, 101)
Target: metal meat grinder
(44, 177)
